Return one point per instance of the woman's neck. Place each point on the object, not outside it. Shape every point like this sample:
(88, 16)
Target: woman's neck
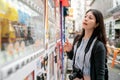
(87, 34)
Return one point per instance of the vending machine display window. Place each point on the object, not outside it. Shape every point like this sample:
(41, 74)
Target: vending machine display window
(51, 21)
(21, 30)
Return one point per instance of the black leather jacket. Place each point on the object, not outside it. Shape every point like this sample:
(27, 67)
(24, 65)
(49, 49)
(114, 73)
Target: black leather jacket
(98, 61)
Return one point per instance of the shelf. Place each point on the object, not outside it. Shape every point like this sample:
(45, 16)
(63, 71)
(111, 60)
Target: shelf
(11, 67)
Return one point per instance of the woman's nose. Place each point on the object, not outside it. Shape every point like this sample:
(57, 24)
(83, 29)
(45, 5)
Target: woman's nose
(86, 19)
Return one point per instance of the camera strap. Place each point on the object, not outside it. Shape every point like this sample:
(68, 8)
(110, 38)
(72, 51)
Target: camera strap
(86, 49)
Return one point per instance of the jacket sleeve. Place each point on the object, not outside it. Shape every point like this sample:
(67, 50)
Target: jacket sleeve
(99, 59)
(70, 54)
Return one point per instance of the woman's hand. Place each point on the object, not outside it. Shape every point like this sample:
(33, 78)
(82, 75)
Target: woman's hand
(67, 46)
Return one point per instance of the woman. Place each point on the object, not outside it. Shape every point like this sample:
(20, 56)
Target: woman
(88, 51)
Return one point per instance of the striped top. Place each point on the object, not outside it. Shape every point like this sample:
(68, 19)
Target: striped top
(80, 56)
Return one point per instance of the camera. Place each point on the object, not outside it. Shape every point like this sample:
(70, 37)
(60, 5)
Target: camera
(77, 73)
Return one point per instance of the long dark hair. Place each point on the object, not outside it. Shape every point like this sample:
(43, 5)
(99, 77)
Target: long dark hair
(99, 31)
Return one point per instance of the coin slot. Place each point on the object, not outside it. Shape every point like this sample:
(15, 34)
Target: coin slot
(10, 71)
(27, 61)
(22, 64)
(17, 67)
(30, 58)
(37, 55)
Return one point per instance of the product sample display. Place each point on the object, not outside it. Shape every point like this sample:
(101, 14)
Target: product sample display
(29, 32)
(22, 32)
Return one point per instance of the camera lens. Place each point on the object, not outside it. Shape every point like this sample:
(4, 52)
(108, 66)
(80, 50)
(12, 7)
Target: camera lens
(70, 77)
(73, 76)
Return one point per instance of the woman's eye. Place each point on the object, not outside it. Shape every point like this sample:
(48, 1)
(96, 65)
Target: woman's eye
(90, 18)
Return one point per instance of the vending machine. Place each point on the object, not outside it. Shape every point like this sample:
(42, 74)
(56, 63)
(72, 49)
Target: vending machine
(22, 40)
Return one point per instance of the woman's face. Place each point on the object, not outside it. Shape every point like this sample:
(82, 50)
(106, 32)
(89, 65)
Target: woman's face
(89, 21)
